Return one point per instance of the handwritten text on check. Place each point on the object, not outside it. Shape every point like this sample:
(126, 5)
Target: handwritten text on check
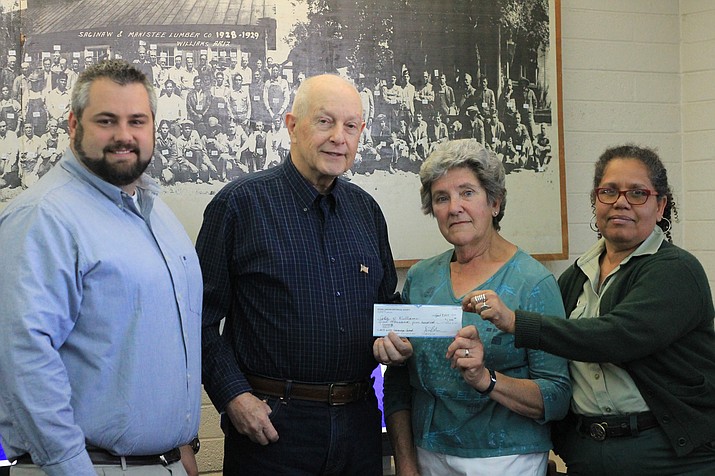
(414, 320)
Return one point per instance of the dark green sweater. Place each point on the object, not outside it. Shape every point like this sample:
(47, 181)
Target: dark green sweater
(657, 323)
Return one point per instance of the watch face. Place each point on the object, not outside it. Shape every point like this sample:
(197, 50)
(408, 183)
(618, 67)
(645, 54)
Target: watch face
(196, 445)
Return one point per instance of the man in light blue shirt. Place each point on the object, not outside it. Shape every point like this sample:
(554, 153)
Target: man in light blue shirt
(100, 301)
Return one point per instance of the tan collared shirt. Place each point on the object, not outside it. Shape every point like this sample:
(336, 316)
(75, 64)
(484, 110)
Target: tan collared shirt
(604, 388)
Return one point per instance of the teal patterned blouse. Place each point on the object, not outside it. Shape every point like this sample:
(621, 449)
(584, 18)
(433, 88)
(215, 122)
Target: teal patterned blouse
(448, 415)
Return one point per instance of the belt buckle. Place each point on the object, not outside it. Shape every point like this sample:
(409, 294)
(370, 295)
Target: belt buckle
(597, 431)
(330, 393)
(163, 460)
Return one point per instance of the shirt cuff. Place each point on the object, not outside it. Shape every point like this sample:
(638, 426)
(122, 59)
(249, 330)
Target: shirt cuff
(79, 465)
(527, 329)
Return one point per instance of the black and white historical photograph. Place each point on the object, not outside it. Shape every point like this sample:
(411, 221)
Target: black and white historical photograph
(226, 72)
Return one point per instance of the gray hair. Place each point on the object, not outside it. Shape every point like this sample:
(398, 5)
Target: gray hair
(118, 71)
(300, 103)
(470, 154)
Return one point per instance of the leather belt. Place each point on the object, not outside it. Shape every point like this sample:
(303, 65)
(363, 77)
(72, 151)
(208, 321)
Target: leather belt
(330, 393)
(601, 427)
(104, 457)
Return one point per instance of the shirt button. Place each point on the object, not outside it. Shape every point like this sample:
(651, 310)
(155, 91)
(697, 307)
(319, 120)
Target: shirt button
(332, 260)
(597, 376)
(342, 329)
(338, 294)
(609, 409)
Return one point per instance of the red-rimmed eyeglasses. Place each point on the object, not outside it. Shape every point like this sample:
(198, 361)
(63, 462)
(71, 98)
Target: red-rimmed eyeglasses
(634, 196)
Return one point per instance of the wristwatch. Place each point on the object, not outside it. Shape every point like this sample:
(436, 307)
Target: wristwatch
(492, 382)
(195, 445)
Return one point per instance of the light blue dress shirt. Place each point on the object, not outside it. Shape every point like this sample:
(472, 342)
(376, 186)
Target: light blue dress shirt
(99, 322)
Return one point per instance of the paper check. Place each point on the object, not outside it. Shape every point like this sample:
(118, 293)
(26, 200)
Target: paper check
(415, 320)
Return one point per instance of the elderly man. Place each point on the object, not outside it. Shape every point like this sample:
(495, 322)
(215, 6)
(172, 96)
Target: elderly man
(101, 298)
(294, 258)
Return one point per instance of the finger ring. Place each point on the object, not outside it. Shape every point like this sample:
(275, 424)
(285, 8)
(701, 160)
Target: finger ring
(466, 353)
(484, 307)
(479, 298)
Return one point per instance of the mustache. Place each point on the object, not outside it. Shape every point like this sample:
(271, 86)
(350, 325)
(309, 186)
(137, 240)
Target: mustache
(116, 146)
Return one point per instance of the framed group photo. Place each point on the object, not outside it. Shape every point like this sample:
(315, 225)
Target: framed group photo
(226, 73)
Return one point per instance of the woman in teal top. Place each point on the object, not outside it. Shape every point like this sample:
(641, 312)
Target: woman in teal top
(474, 404)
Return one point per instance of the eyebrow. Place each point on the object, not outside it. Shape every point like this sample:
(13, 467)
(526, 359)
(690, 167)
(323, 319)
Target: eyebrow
(629, 186)
(137, 115)
(321, 112)
(462, 186)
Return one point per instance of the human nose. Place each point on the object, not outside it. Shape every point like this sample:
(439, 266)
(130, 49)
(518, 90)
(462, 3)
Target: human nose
(122, 133)
(621, 200)
(455, 205)
(337, 135)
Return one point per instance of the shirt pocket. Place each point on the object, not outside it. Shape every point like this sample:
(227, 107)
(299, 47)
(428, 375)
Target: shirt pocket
(194, 281)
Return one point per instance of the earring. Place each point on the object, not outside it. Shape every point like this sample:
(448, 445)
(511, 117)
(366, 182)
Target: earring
(667, 228)
(494, 214)
(593, 226)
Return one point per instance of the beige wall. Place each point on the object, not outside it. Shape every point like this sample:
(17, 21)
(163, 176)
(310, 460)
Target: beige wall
(638, 71)
(697, 67)
(210, 457)
(641, 71)
(621, 83)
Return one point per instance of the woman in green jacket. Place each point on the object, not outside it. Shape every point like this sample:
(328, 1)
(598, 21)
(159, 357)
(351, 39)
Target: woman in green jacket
(639, 333)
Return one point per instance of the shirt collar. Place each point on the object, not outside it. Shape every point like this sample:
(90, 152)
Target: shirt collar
(304, 190)
(146, 186)
(649, 246)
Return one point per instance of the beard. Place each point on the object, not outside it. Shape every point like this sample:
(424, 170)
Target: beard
(100, 166)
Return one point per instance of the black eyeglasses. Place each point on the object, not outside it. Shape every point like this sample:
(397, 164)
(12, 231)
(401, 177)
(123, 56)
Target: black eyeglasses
(634, 196)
